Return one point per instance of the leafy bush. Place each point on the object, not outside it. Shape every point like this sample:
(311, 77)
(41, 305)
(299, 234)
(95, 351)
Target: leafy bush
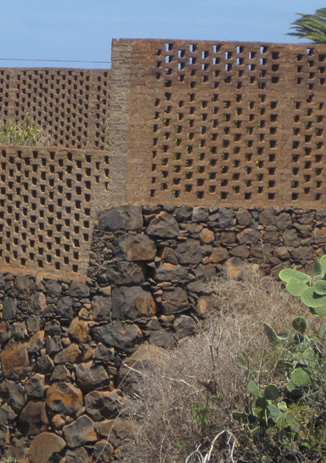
(297, 403)
(249, 388)
(24, 133)
(311, 290)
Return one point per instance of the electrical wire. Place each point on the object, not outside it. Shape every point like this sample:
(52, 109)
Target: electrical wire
(55, 60)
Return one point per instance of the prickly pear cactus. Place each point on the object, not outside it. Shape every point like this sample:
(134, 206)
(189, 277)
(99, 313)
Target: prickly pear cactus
(311, 290)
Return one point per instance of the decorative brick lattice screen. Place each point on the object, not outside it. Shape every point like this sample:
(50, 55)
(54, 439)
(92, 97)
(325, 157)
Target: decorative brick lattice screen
(48, 201)
(70, 105)
(224, 122)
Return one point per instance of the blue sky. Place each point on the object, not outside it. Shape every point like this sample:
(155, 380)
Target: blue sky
(82, 30)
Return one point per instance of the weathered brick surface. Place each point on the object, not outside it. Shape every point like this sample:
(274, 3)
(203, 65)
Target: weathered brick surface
(49, 198)
(231, 123)
(70, 105)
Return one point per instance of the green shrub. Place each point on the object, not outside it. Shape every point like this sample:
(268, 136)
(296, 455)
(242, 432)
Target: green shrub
(292, 414)
(311, 290)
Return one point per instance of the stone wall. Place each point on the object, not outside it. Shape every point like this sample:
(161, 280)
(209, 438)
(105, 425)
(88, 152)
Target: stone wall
(63, 343)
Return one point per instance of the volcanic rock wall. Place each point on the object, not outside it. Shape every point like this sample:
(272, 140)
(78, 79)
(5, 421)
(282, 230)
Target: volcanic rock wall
(63, 343)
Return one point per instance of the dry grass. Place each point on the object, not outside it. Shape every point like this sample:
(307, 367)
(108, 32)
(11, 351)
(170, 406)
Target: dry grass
(211, 372)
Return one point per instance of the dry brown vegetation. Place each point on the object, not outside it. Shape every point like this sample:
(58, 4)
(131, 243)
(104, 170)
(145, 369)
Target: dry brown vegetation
(188, 398)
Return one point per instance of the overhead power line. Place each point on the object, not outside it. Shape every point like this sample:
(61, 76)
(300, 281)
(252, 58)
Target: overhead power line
(54, 60)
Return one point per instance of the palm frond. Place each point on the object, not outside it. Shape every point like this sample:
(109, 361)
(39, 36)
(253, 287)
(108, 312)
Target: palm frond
(321, 12)
(311, 27)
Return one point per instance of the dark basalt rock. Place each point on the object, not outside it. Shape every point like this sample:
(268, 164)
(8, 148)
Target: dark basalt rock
(122, 273)
(9, 308)
(162, 338)
(77, 289)
(117, 334)
(121, 218)
(136, 247)
(267, 217)
(35, 386)
(64, 307)
(249, 236)
(130, 303)
(200, 214)
(78, 455)
(174, 300)
(14, 394)
(164, 226)
(33, 418)
(89, 376)
(189, 252)
(80, 432)
(183, 213)
(44, 364)
(184, 326)
(225, 217)
(103, 404)
(102, 308)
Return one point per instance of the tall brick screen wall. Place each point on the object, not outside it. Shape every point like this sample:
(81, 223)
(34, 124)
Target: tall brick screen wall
(221, 122)
(70, 105)
(198, 123)
(49, 199)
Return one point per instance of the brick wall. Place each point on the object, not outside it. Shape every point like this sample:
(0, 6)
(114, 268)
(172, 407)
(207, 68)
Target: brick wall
(222, 122)
(191, 122)
(70, 105)
(49, 199)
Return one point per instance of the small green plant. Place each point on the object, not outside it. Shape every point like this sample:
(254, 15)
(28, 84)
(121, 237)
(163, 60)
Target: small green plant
(201, 414)
(292, 412)
(298, 362)
(23, 133)
(311, 290)
(263, 412)
(9, 460)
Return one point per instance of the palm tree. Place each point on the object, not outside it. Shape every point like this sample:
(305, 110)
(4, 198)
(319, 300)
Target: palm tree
(311, 26)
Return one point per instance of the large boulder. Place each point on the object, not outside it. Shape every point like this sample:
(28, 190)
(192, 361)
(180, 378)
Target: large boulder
(164, 225)
(91, 376)
(117, 334)
(131, 303)
(101, 405)
(64, 398)
(121, 218)
(44, 445)
(80, 432)
(136, 247)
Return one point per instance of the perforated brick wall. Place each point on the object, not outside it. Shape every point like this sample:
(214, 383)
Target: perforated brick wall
(223, 122)
(49, 199)
(70, 105)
